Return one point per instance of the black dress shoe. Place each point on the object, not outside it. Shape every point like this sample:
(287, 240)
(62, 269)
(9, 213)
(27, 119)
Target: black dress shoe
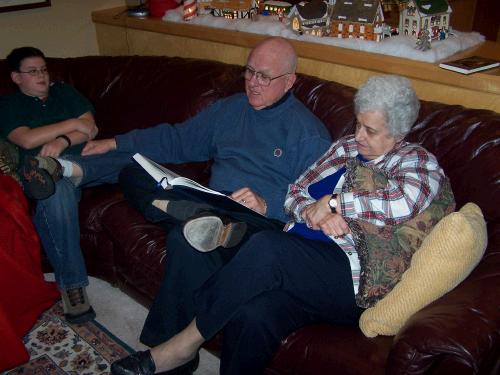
(186, 369)
(140, 363)
(207, 231)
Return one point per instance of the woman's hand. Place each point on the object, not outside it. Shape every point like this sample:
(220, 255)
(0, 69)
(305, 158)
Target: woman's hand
(314, 213)
(250, 199)
(334, 225)
(319, 216)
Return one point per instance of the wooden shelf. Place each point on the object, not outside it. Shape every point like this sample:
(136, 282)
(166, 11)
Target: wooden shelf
(119, 34)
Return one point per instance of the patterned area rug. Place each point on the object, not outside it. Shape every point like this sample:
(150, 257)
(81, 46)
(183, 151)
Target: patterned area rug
(57, 347)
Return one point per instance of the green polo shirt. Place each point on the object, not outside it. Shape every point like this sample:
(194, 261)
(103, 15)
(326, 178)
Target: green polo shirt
(63, 102)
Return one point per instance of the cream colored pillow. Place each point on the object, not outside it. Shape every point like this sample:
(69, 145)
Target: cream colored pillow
(447, 256)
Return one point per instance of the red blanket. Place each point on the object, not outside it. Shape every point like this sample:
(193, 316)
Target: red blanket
(23, 292)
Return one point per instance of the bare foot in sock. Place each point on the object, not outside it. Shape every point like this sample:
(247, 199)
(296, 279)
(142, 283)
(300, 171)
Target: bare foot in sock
(179, 350)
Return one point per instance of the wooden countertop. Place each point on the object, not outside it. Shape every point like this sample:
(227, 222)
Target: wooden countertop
(487, 81)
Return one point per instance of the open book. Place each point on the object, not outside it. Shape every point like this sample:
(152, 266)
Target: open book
(168, 179)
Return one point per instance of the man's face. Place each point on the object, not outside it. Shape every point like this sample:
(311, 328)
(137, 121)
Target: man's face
(269, 65)
(32, 78)
(372, 136)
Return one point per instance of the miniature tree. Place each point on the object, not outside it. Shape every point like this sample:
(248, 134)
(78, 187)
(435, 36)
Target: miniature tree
(424, 40)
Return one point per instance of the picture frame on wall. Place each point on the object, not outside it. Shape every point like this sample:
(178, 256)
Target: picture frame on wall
(13, 5)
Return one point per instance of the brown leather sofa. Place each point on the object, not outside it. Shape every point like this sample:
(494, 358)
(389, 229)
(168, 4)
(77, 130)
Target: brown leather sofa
(457, 334)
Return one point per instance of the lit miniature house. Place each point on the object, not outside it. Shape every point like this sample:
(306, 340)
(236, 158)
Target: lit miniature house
(233, 9)
(418, 15)
(204, 7)
(363, 19)
(274, 8)
(311, 18)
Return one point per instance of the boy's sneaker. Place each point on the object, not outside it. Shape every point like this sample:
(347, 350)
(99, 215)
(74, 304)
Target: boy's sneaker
(39, 175)
(76, 306)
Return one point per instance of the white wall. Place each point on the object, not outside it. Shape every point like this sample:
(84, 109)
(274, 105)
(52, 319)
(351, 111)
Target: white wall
(64, 29)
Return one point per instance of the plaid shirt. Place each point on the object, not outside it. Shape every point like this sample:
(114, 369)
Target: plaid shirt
(414, 180)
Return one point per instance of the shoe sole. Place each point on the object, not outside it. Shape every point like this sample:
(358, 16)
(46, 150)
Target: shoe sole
(37, 182)
(208, 233)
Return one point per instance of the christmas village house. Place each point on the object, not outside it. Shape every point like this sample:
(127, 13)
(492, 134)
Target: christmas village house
(276, 8)
(311, 18)
(420, 15)
(363, 19)
(232, 9)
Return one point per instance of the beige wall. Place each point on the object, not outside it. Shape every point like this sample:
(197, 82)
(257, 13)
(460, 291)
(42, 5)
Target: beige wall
(63, 30)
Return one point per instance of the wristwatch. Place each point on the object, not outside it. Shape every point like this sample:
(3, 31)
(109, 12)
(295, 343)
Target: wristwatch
(332, 202)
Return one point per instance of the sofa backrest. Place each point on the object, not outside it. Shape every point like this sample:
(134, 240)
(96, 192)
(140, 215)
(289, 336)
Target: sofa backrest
(137, 91)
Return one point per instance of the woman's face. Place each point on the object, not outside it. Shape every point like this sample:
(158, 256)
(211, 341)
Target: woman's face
(372, 136)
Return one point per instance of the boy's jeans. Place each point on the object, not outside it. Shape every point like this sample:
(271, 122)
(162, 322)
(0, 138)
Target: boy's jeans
(56, 218)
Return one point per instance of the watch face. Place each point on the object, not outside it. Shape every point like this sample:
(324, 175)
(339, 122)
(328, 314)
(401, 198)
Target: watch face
(333, 204)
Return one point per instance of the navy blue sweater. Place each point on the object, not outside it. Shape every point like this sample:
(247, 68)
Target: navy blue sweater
(264, 150)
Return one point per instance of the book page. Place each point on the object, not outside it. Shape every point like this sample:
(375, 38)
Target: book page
(184, 181)
(167, 178)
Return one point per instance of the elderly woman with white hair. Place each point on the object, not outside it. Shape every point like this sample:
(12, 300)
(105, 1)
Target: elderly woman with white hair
(309, 273)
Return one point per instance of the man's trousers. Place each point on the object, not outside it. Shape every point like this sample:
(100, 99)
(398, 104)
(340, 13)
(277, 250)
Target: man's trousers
(275, 284)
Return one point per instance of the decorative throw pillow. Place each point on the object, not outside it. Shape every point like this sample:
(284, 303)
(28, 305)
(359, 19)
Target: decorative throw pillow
(447, 256)
(385, 251)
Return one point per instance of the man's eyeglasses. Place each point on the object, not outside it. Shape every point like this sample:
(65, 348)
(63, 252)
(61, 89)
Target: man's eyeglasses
(262, 79)
(35, 72)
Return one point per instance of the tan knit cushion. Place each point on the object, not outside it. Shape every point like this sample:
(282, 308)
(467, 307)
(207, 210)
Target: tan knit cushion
(447, 256)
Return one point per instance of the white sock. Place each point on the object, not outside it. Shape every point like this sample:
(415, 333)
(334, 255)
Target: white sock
(67, 167)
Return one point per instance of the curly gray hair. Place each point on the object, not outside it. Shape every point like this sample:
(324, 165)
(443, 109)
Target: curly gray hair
(392, 95)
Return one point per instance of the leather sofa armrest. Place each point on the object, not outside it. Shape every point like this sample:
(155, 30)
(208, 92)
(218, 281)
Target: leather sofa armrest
(455, 332)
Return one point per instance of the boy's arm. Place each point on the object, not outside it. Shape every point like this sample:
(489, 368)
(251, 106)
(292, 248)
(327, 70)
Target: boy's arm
(78, 130)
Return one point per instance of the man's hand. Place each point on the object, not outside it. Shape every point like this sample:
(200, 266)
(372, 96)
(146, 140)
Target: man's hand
(250, 199)
(53, 148)
(318, 216)
(99, 147)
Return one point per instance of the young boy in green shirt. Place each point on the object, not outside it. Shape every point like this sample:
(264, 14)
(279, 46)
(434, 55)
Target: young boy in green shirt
(45, 118)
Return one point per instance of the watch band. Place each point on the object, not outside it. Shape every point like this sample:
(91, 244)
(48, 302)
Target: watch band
(66, 138)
